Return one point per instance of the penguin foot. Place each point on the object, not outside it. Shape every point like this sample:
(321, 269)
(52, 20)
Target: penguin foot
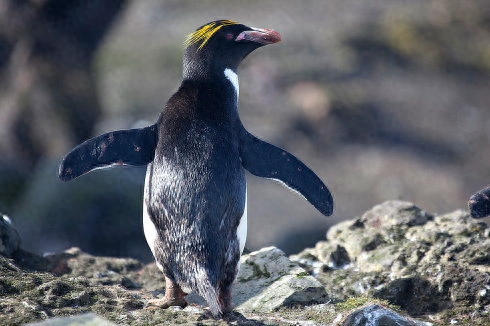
(165, 303)
(174, 296)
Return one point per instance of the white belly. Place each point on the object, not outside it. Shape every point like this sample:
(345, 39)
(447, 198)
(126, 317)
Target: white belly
(149, 228)
(151, 233)
(241, 231)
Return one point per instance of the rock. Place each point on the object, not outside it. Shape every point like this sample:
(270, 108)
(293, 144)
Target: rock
(88, 319)
(268, 280)
(394, 213)
(373, 315)
(9, 238)
(422, 263)
(383, 224)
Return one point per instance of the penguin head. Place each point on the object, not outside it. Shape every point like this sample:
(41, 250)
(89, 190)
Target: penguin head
(222, 44)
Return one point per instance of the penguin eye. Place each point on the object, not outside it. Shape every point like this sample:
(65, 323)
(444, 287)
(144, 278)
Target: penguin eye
(229, 36)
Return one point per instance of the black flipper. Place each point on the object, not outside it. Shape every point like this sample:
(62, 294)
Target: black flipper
(268, 161)
(479, 203)
(131, 147)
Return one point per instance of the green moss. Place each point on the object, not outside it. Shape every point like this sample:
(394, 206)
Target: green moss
(302, 274)
(326, 313)
(359, 301)
(257, 272)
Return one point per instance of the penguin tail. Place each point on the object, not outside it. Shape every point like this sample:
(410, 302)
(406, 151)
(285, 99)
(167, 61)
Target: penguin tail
(209, 293)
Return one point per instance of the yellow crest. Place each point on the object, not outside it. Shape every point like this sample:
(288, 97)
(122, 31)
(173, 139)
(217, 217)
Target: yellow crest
(204, 33)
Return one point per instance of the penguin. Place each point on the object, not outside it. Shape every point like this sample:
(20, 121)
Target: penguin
(195, 193)
(479, 203)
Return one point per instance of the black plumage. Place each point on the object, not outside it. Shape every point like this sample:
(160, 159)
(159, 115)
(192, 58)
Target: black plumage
(195, 188)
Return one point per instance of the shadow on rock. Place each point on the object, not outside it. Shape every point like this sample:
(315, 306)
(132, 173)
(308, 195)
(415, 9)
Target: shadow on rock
(415, 295)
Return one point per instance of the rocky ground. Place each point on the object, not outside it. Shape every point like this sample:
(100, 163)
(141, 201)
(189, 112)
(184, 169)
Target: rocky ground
(395, 265)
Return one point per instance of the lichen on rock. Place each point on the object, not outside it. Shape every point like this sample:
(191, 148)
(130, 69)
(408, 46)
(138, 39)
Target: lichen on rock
(268, 280)
(423, 263)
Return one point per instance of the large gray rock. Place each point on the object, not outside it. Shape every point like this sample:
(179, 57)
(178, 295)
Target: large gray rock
(268, 280)
(9, 238)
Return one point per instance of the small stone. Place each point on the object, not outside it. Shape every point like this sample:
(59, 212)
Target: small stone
(194, 309)
(377, 315)
(85, 319)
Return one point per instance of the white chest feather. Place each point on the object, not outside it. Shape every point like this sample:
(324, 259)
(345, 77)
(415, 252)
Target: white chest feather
(233, 78)
(242, 227)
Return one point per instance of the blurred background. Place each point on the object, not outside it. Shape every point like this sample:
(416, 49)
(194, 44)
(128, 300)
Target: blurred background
(383, 99)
